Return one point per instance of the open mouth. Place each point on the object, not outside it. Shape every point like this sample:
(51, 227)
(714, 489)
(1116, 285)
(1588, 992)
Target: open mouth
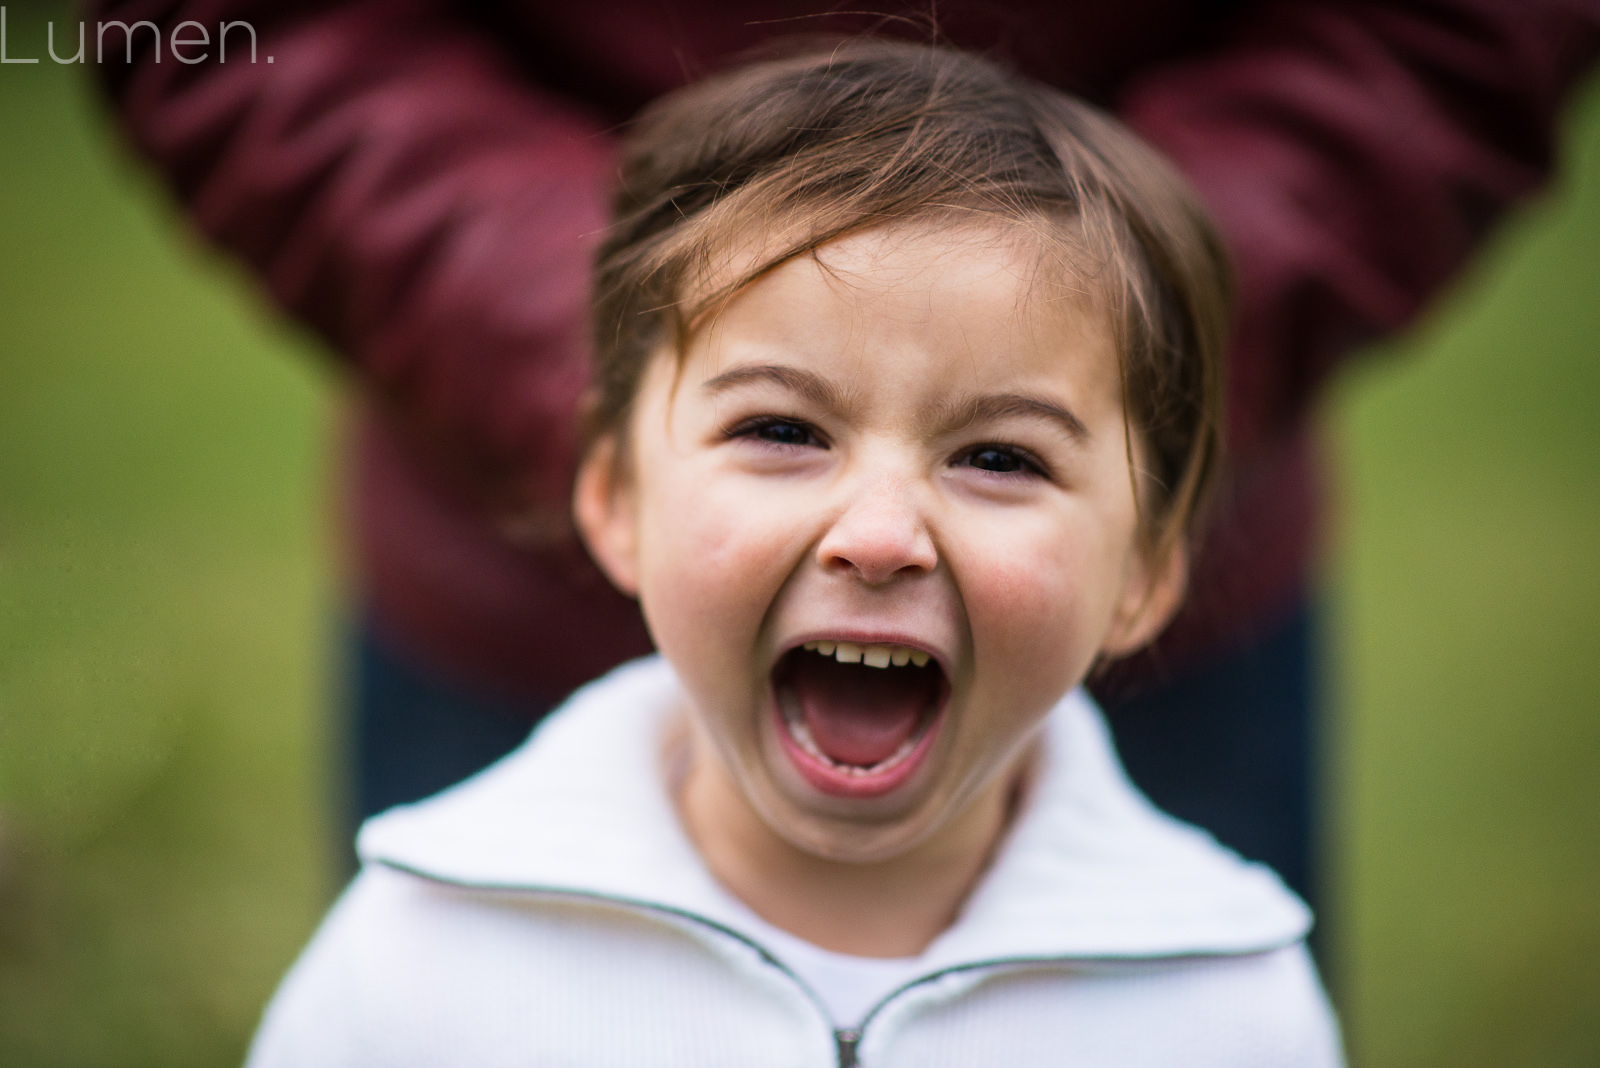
(857, 719)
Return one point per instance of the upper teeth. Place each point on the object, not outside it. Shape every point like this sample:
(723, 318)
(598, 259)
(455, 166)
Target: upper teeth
(878, 656)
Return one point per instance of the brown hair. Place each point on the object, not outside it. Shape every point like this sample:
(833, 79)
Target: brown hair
(796, 152)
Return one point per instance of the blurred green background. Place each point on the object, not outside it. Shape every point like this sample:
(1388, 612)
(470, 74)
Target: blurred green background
(169, 608)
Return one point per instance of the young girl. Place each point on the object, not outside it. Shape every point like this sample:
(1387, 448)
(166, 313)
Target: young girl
(906, 394)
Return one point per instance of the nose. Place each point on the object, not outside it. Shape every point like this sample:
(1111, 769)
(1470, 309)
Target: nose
(882, 534)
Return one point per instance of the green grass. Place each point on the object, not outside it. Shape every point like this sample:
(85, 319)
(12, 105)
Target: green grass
(1468, 580)
(164, 588)
(166, 595)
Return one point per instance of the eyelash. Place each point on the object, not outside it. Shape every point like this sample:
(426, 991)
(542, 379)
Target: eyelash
(1028, 464)
(753, 428)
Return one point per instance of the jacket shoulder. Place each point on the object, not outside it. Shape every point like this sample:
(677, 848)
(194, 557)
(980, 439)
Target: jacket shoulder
(1260, 1010)
(411, 971)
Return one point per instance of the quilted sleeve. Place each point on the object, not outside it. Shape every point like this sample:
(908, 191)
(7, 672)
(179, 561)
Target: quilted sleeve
(405, 190)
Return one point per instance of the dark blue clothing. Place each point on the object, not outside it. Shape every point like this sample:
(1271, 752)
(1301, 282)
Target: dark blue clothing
(1227, 746)
(415, 733)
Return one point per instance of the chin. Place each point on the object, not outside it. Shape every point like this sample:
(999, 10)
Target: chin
(843, 841)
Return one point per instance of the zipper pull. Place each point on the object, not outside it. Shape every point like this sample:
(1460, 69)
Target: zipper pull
(847, 1039)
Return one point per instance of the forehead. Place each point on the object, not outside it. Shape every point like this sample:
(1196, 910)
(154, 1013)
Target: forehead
(939, 303)
(1036, 256)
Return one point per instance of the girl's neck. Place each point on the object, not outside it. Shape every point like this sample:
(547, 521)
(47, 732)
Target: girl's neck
(888, 908)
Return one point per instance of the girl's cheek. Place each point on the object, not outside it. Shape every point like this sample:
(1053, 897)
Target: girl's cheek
(1020, 566)
(720, 550)
(735, 529)
(1033, 600)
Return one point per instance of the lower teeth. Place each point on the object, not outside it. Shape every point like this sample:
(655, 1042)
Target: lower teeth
(802, 734)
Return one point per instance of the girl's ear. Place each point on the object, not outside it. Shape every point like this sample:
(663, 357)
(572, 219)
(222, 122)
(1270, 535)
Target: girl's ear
(1150, 598)
(603, 503)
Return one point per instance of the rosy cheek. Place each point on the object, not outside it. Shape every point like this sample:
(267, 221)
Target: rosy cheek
(735, 533)
(1016, 567)
(1031, 604)
(717, 554)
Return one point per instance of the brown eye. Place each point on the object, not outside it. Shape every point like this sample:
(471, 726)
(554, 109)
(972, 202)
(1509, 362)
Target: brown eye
(785, 434)
(776, 430)
(997, 460)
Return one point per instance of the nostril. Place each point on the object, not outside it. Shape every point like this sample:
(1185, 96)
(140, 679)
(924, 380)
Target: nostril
(880, 536)
(879, 562)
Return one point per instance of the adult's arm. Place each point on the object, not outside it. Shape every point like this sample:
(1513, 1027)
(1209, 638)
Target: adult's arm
(385, 172)
(1354, 153)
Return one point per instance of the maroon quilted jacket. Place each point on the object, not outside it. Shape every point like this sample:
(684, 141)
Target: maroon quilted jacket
(421, 181)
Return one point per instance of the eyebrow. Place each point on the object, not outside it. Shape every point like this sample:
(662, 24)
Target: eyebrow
(808, 384)
(995, 406)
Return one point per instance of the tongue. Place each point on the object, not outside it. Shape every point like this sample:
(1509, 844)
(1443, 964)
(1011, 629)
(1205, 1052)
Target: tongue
(856, 714)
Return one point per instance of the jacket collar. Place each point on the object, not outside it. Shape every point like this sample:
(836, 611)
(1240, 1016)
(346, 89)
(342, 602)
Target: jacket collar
(1091, 869)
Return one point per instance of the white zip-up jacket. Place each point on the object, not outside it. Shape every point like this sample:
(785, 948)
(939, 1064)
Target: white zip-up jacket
(552, 912)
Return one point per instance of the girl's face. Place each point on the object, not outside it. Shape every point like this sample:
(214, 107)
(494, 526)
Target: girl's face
(880, 519)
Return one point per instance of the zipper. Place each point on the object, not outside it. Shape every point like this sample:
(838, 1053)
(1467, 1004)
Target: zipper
(846, 1039)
